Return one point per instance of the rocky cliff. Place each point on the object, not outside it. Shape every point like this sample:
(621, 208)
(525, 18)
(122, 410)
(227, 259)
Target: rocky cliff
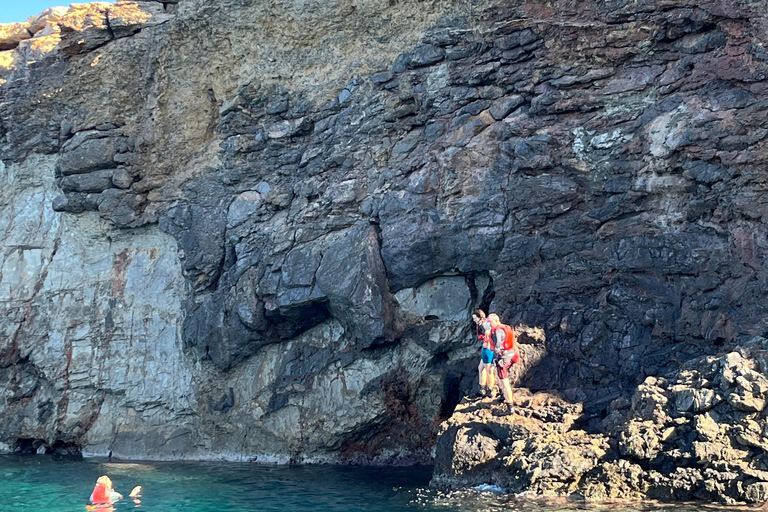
(256, 230)
(699, 433)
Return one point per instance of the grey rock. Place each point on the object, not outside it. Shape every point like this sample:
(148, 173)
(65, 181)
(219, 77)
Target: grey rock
(383, 77)
(122, 178)
(96, 181)
(618, 217)
(502, 107)
(425, 55)
(445, 298)
(353, 277)
(72, 203)
(243, 207)
(90, 155)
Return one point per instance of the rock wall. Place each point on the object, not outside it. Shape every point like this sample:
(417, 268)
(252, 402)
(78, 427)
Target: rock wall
(698, 433)
(257, 229)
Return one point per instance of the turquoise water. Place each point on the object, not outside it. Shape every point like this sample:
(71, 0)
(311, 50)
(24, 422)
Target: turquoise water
(46, 484)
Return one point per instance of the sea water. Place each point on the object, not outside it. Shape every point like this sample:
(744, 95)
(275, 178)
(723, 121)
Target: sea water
(48, 484)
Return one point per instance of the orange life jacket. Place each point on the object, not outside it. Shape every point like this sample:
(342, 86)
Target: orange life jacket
(509, 337)
(100, 494)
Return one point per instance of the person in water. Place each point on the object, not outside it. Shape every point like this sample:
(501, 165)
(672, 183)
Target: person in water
(486, 370)
(103, 495)
(506, 354)
(136, 494)
(103, 492)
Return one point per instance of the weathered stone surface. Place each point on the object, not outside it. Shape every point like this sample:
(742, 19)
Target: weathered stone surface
(446, 298)
(592, 172)
(11, 34)
(122, 178)
(648, 452)
(89, 155)
(97, 181)
(353, 277)
(46, 20)
(531, 449)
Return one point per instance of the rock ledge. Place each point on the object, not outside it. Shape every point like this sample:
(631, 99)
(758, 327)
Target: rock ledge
(700, 433)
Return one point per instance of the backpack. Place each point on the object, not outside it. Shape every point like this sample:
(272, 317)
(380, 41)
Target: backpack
(509, 342)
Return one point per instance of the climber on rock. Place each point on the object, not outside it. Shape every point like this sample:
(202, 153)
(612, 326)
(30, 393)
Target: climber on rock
(506, 354)
(486, 369)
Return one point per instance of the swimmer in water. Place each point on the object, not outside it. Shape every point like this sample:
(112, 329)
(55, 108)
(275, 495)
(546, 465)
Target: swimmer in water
(103, 495)
(136, 494)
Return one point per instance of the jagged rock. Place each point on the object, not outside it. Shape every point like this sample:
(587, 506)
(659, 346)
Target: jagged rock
(530, 449)
(706, 427)
(653, 453)
(121, 178)
(48, 19)
(11, 34)
(353, 277)
(756, 492)
(595, 178)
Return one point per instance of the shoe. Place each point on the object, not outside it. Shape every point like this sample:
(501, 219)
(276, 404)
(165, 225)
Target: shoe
(505, 409)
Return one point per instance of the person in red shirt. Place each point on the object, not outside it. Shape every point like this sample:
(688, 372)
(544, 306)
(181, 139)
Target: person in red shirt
(506, 354)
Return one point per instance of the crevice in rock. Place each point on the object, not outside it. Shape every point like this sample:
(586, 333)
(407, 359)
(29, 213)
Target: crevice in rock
(109, 26)
(451, 394)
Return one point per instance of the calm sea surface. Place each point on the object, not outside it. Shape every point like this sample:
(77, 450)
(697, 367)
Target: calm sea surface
(45, 484)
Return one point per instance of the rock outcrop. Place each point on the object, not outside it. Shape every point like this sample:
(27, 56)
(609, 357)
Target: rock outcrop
(256, 230)
(696, 434)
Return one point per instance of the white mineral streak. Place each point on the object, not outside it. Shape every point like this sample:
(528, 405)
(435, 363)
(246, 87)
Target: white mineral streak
(95, 311)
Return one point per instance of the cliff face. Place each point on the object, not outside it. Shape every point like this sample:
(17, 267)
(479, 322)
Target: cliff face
(257, 229)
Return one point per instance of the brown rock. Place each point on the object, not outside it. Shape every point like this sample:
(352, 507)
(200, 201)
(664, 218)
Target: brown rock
(11, 34)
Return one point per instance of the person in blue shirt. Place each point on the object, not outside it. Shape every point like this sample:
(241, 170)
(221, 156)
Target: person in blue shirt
(486, 369)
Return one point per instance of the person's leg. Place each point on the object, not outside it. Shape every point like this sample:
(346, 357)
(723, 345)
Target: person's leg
(486, 380)
(490, 369)
(482, 375)
(506, 388)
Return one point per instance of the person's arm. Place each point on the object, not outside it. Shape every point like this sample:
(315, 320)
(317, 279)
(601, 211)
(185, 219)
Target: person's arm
(499, 341)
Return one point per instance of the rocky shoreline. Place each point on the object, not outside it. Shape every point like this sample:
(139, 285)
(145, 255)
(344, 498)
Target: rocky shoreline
(257, 230)
(700, 433)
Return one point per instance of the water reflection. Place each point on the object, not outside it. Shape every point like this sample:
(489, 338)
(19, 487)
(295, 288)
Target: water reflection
(487, 501)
